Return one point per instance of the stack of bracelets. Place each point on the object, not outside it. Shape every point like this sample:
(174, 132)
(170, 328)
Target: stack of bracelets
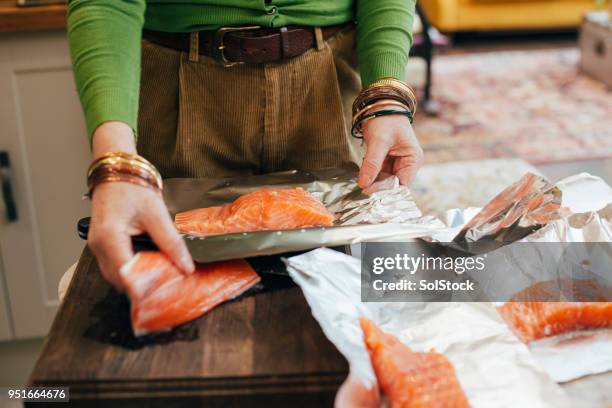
(387, 92)
(118, 166)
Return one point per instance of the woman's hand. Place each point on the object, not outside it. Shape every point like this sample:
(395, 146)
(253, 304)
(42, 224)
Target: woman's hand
(354, 394)
(121, 210)
(391, 147)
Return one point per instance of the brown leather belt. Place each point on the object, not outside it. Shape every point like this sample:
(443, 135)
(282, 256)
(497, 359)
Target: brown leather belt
(249, 44)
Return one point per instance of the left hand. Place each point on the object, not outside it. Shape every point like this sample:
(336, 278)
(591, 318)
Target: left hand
(391, 147)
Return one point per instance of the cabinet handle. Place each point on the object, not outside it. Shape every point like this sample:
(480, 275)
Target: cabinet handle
(7, 190)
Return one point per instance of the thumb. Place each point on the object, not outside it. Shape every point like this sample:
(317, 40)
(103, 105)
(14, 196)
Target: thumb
(163, 232)
(376, 153)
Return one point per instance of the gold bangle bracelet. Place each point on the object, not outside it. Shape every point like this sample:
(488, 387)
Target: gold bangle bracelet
(131, 159)
(393, 83)
(370, 118)
(127, 169)
(125, 155)
(377, 104)
(120, 166)
(116, 156)
(379, 91)
(112, 160)
(121, 178)
(407, 92)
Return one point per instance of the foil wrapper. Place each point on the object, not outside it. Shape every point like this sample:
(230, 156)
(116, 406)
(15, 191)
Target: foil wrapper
(385, 211)
(573, 355)
(493, 367)
(516, 212)
(584, 216)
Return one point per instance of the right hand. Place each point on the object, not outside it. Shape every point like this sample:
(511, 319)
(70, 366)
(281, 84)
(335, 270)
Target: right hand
(354, 394)
(121, 210)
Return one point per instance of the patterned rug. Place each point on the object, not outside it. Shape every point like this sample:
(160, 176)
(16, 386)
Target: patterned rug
(533, 104)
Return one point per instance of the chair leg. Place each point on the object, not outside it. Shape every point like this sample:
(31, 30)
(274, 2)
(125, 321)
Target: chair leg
(430, 107)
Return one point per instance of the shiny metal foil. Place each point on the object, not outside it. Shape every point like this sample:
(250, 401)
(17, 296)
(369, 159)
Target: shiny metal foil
(385, 211)
(586, 216)
(516, 212)
(493, 367)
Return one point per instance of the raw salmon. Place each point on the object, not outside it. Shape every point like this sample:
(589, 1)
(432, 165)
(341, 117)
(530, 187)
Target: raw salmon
(162, 297)
(532, 320)
(266, 209)
(410, 379)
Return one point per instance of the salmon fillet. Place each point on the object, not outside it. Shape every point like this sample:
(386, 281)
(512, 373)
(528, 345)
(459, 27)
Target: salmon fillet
(162, 297)
(531, 320)
(266, 209)
(410, 379)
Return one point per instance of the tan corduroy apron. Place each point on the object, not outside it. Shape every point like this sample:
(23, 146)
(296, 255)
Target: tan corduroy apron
(198, 118)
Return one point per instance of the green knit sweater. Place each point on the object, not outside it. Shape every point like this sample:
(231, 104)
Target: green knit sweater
(105, 39)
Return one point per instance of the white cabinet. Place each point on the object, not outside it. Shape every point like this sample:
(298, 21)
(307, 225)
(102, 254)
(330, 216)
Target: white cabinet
(42, 129)
(6, 331)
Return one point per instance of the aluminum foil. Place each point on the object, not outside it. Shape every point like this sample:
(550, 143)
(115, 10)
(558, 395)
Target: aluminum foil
(587, 218)
(519, 210)
(385, 211)
(494, 368)
(574, 355)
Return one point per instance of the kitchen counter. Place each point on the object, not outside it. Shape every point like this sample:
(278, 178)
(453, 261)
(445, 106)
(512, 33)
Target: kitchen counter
(31, 18)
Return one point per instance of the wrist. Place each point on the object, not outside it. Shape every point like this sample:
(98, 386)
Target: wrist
(113, 137)
(123, 167)
(385, 89)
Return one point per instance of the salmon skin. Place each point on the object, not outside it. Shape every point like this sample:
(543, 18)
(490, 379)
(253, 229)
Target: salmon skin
(532, 320)
(410, 379)
(162, 297)
(265, 209)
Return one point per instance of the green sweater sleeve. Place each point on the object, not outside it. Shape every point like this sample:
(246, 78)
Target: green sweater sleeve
(384, 37)
(105, 34)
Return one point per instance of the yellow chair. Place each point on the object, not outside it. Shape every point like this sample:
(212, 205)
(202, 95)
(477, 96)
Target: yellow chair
(485, 15)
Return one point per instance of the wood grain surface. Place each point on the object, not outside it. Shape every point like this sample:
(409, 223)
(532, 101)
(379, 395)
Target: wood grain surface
(263, 349)
(31, 18)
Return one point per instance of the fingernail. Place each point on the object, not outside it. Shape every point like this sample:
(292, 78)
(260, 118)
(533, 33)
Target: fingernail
(366, 181)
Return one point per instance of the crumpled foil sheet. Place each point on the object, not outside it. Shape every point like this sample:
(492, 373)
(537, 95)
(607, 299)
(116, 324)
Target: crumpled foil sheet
(385, 201)
(588, 218)
(385, 211)
(519, 210)
(494, 368)
(574, 355)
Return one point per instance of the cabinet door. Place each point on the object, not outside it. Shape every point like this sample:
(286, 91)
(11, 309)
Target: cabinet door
(6, 332)
(42, 128)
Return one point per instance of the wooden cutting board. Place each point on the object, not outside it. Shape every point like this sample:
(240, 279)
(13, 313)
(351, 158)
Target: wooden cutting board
(264, 349)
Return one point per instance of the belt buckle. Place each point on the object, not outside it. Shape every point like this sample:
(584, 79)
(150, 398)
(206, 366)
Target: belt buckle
(219, 47)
